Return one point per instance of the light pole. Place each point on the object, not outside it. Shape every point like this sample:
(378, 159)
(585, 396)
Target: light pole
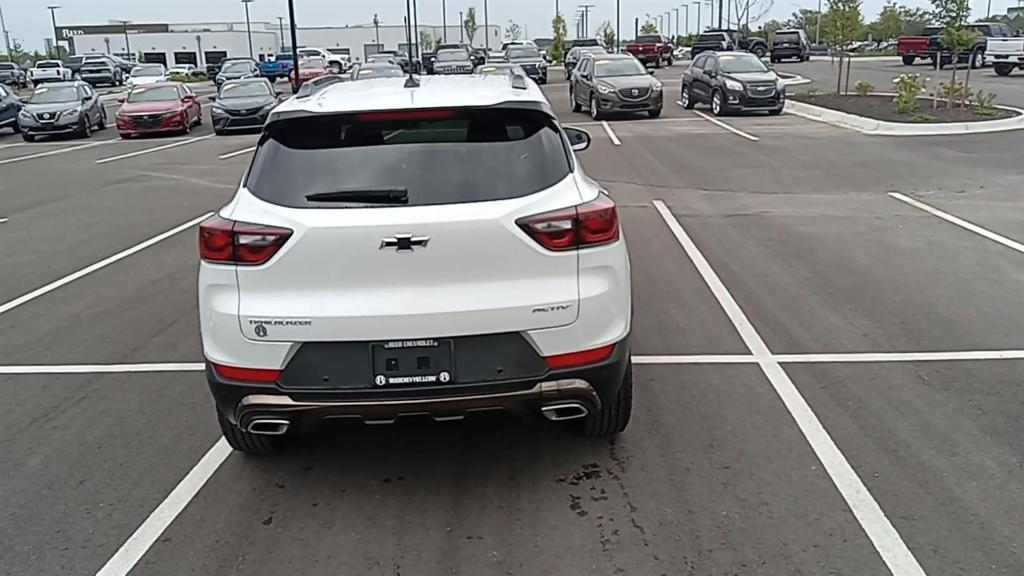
(444, 22)
(376, 31)
(686, 7)
(668, 23)
(817, 29)
(711, 12)
(53, 18)
(676, 10)
(698, 3)
(7, 35)
(248, 27)
(487, 34)
(127, 47)
(295, 42)
(462, 38)
(415, 32)
(618, 32)
(280, 29)
(199, 46)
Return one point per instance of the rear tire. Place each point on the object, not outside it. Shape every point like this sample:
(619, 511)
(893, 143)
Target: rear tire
(1003, 69)
(718, 103)
(243, 441)
(595, 109)
(575, 103)
(977, 59)
(909, 60)
(613, 417)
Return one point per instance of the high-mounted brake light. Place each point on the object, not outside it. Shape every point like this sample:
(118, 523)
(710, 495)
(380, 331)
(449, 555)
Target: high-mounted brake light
(592, 224)
(261, 375)
(225, 241)
(399, 115)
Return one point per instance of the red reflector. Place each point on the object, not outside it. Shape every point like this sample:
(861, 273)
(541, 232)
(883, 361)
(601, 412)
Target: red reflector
(580, 358)
(225, 241)
(247, 374)
(591, 224)
(426, 114)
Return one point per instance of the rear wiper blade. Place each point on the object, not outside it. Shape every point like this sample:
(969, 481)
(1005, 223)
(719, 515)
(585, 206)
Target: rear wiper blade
(363, 195)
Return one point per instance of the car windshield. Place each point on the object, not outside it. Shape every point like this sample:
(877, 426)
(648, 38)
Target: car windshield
(649, 39)
(54, 94)
(786, 37)
(236, 68)
(451, 56)
(739, 63)
(618, 67)
(523, 52)
(245, 90)
(143, 71)
(313, 63)
(714, 37)
(471, 156)
(157, 94)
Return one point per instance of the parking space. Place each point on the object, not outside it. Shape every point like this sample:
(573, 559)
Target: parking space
(766, 273)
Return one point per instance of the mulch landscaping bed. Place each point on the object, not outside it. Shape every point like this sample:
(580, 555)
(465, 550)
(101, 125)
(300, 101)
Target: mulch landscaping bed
(881, 108)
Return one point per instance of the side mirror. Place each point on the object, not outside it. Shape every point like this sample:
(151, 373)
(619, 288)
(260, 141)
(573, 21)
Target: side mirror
(85, 99)
(579, 139)
(212, 97)
(278, 93)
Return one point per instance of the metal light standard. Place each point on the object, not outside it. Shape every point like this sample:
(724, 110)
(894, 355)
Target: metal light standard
(280, 29)
(686, 7)
(127, 47)
(248, 27)
(295, 42)
(676, 10)
(7, 35)
(487, 34)
(444, 21)
(462, 38)
(668, 23)
(698, 3)
(53, 18)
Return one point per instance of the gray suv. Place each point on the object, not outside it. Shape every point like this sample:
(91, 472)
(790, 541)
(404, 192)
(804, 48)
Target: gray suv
(610, 83)
(12, 75)
(99, 70)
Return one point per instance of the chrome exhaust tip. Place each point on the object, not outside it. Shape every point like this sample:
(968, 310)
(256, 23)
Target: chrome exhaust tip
(564, 411)
(268, 427)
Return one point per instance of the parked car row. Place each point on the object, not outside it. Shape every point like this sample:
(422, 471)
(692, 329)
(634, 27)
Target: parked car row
(994, 42)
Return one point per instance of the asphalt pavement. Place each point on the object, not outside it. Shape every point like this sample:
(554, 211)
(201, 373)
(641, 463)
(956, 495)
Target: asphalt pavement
(827, 375)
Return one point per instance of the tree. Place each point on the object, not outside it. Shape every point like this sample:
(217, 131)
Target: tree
(746, 11)
(843, 25)
(469, 24)
(808, 21)
(889, 23)
(558, 34)
(513, 31)
(914, 20)
(952, 15)
(769, 28)
(426, 41)
(607, 35)
(649, 28)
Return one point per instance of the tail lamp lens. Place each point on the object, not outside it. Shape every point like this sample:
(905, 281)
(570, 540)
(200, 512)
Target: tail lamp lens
(581, 358)
(592, 224)
(224, 241)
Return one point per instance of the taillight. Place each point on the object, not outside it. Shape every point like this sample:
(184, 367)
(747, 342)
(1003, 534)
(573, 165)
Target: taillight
(247, 374)
(591, 224)
(581, 358)
(227, 242)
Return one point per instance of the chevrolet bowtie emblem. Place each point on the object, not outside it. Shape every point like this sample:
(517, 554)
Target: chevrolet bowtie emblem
(404, 242)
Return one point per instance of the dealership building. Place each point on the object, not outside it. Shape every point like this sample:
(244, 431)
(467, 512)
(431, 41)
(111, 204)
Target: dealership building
(208, 42)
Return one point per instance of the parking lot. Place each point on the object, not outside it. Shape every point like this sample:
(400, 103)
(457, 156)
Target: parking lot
(827, 344)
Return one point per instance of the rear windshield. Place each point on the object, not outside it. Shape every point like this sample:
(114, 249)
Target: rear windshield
(448, 158)
(717, 37)
(6, 66)
(787, 37)
(48, 65)
(648, 39)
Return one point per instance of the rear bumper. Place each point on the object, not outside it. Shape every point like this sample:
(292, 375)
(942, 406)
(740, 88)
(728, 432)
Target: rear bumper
(227, 122)
(787, 52)
(588, 386)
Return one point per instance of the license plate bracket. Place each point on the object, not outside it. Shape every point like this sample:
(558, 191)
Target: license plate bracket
(421, 362)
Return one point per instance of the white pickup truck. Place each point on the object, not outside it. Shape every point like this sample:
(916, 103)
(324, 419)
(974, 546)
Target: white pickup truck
(49, 71)
(1005, 54)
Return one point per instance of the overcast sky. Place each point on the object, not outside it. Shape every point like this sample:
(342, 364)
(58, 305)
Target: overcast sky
(29, 20)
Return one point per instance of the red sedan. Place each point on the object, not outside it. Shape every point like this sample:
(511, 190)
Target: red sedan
(159, 108)
(308, 69)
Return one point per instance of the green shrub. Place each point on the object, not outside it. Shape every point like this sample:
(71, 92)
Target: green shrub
(984, 104)
(955, 92)
(908, 88)
(922, 117)
(863, 88)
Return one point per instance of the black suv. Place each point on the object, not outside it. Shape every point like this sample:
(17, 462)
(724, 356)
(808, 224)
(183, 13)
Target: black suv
(728, 40)
(732, 82)
(790, 44)
(530, 59)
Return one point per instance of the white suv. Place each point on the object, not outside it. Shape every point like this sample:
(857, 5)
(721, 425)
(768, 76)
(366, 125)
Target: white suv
(400, 250)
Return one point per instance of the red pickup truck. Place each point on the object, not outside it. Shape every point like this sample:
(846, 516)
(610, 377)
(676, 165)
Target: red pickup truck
(651, 49)
(910, 48)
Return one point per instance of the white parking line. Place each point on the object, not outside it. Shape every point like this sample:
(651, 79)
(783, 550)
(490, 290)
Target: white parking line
(7, 307)
(721, 124)
(140, 541)
(611, 134)
(1011, 244)
(887, 541)
(151, 150)
(807, 358)
(58, 151)
(237, 153)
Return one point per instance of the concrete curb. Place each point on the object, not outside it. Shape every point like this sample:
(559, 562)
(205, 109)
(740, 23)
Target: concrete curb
(882, 128)
(793, 79)
(858, 58)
